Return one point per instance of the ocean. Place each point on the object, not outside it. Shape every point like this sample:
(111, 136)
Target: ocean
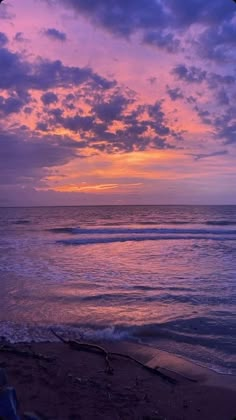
(164, 276)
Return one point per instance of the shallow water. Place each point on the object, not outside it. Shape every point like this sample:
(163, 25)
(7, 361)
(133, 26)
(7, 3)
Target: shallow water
(164, 275)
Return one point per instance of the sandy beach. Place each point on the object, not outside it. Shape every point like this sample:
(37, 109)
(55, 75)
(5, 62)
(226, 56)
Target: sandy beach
(75, 385)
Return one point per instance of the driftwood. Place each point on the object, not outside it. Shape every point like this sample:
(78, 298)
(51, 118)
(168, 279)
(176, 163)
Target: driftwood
(8, 348)
(77, 345)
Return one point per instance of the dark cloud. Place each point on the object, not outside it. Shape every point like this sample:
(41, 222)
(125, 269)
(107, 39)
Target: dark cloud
(215, 80)
(98, 129)
(200, 156)
(55, 34)
(120, 17)
(190, 74)
(222, 97)
(49, 98)
(217, 42)
(48, 74)
(157, 120)
(14, 71)
(25, 158)
(164, 23)
(204, 115)
(159, 20)
(111, 110)
(19, 37)
(152, 80)
(3, 39)
(226, 128)
(223, 125)
(191, 99)
(28, 110)
(18, 74)
(174, 93)
(10, 105)
(166, 41)
(77, 123)
(199, 11)
(42, 126)
(126, 17)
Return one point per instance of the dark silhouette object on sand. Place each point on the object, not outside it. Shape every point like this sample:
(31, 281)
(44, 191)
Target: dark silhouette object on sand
(9, 403)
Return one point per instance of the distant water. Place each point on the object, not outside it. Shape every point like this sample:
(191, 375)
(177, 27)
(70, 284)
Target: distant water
(162, 275)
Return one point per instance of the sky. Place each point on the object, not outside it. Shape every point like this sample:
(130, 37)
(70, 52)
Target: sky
(117, 102)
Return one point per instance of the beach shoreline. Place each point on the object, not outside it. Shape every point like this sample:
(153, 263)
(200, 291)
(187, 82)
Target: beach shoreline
(75, 385)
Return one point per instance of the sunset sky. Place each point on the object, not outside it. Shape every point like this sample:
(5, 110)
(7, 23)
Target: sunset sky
(117, 102)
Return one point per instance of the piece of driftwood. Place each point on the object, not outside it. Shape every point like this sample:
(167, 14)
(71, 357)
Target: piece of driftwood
(8, 348)
(77, 345)
(107, 354)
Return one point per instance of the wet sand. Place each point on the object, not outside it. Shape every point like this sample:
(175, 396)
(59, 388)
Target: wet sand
(75, 385)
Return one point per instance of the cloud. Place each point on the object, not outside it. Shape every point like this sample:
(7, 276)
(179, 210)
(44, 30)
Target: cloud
(10, 105)
(49, 98)
(217, 42)
(174, 93)
(25, 158)
(215, 80)
(14, 71)
(226, 129)
(19, 37)
(3, 39)
(200, 156)
(115, 123)
(55, 34)
(19, 74)
(126, 17)
(222, 97)
(77, 123)
(165, 24)
(166, 41)
(152, 80)
(211, 12)
(111, 110)
(120, 17)
(190, 74)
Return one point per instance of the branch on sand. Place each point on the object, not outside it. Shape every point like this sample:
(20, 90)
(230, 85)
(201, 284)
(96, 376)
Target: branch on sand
(77, 345)
(7, 348)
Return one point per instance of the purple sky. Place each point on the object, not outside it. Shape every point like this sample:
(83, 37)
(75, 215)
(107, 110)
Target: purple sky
(117, 102)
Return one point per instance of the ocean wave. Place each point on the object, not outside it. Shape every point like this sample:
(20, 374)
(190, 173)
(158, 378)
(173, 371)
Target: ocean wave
(198, 329)
(26, 333)
(221, 222)
(176, 222)
(147, 288)
(156, 335)
(107, 240)
(64, 230)
(138, 298)
(20, 222)
(194, 300)
(109, 297)
(141, 231)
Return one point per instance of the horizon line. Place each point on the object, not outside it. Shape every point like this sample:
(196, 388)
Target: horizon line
(117, 205)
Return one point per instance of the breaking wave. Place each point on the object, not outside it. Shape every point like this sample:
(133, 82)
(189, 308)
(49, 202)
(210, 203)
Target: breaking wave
(103, 235)
(221, 222)
(170, 336)
(106, 240)
(143, 231)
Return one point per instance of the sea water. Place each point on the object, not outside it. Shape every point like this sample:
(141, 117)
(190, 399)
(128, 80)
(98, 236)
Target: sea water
(160, 275)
